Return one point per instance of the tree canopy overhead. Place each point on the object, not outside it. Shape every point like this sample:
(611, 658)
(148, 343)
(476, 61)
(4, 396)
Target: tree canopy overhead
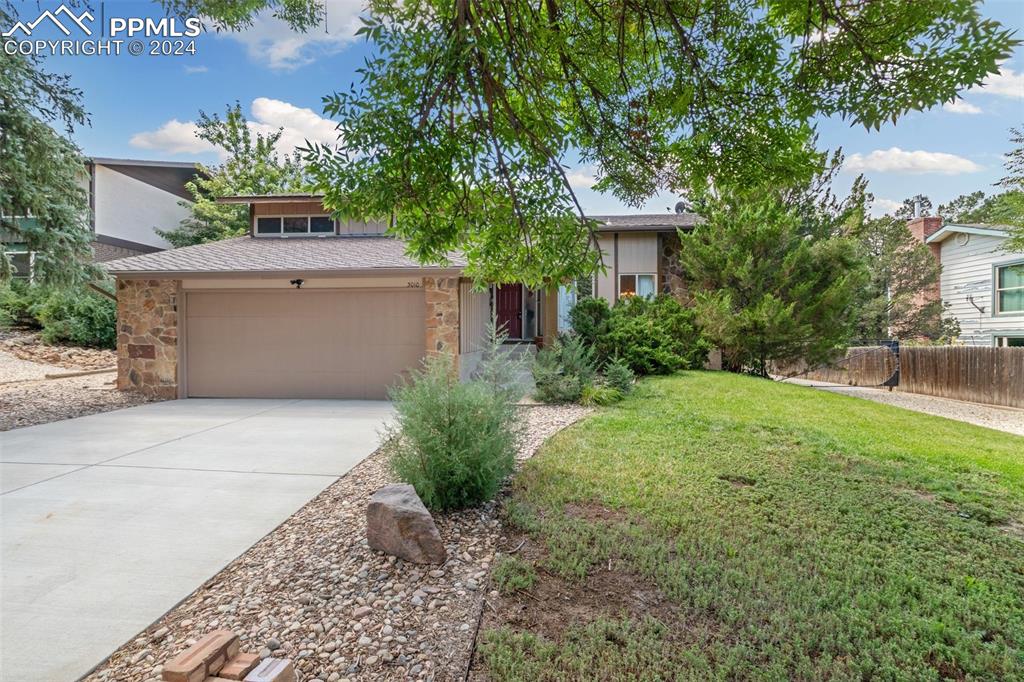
(464, 116)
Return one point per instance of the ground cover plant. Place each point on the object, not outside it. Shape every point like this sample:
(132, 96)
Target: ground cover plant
(720, 526)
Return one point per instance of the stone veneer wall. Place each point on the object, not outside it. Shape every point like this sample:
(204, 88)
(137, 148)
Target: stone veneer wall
(442, 316)
(147, 336)
(670, 273)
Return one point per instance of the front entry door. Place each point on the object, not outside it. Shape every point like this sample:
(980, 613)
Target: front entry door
(509, 309)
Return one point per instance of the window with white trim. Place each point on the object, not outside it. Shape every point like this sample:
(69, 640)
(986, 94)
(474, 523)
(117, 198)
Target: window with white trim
(277, 226)
(640, 284)
(1009, 341)
(1010, 289)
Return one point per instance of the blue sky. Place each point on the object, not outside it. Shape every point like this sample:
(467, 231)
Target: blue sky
(142, 107)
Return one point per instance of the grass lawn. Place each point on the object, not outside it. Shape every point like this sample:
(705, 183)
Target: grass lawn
(715, 526)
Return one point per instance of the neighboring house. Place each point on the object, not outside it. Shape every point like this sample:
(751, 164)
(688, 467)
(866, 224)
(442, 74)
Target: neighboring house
(982, 285)
(309, 307)
(128, 201)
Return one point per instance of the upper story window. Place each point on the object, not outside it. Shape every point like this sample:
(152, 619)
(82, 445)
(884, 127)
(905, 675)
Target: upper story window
(637, 285)
(294, 225)
(1010, 288)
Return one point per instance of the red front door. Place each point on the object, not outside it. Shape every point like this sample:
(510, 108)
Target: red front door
(508, 300)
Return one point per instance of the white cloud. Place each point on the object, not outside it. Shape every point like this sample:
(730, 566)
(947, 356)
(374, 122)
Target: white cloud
(196, 69)
(880, 207)
(267, 116)
(959, 106)
(896, 160)
(1006, 83)
(273, 42)
(581, 178)
(173, 137)
(299, 123)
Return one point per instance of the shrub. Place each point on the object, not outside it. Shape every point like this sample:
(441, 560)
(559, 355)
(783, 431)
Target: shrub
(499, 367)
(618, 375)
(589, 319)
(600, 394)
(651, 336)
(562, 370)
(454, 442)
(73, 316)
(512, 574)
(19, 302)
(82, 318)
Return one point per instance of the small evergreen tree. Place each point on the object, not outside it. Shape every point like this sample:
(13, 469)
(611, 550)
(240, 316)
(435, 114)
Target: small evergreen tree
(253, 166)
(43, 204)
(767, 288)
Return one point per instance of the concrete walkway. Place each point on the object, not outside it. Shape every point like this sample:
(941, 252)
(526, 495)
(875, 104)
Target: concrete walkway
(1007, 419)
(109, 520)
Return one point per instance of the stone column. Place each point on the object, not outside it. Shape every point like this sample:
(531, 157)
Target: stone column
(670, 273)
(442, 317)
(147, 336)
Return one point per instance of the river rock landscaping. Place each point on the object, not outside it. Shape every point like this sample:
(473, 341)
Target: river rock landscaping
(314, 591)
(27, 397)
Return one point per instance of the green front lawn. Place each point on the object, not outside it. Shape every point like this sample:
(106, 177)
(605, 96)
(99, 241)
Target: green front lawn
(786, 533)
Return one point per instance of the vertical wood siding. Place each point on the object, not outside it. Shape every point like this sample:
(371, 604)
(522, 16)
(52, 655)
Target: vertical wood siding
(474, 311)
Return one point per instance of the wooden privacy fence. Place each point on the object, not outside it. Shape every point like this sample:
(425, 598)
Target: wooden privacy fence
(978, 374)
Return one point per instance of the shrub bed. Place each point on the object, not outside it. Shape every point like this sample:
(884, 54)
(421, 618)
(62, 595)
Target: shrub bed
(70, 316)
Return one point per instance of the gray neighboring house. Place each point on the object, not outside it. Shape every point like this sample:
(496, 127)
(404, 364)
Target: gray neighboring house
(982, 284)
(129, 199)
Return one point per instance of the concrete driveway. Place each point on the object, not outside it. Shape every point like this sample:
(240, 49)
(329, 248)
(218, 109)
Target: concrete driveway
(109, 520)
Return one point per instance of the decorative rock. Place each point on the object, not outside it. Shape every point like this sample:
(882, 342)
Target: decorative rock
(399, 524)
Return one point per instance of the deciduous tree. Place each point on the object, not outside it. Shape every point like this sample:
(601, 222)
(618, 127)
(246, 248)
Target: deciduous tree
(253, 166)
(461, 120)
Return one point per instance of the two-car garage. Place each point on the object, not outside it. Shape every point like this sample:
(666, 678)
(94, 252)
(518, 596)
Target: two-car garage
(300, 343)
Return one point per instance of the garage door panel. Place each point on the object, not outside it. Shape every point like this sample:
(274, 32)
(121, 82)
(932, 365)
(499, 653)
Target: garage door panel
(301, 343)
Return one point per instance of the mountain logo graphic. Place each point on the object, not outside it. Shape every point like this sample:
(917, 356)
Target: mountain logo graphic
(77, 20)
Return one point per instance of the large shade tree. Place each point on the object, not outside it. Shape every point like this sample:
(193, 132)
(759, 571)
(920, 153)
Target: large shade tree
(465, 113)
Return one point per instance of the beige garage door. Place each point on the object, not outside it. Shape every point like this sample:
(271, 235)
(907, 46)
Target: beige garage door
(301, 343)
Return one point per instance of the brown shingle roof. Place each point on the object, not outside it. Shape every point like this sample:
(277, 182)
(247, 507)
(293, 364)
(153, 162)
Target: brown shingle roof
(292, 254)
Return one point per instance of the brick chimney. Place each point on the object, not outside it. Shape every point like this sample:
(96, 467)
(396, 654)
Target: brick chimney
(924, 227)
(921, 228)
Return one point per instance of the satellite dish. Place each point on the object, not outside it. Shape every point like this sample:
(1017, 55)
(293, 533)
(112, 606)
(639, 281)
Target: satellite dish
(681, 207)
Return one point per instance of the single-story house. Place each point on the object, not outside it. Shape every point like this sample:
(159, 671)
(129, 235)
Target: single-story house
(982, 284)
(307, 306)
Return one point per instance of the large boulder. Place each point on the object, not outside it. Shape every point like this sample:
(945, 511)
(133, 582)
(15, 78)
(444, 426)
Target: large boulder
(399, 524)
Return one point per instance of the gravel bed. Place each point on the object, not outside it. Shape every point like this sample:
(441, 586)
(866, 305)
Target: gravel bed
(40, 402)
(1000, 418)
(312, 590)
(27, 345)
(13, 368)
